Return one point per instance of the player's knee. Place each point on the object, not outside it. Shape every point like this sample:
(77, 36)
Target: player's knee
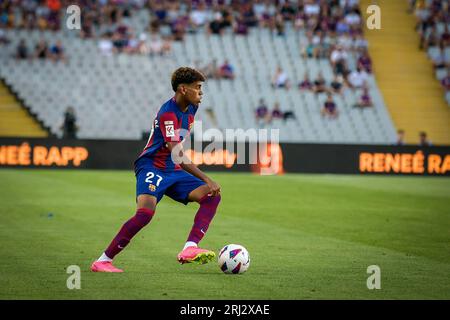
(147, 202)
(217, 199)
(211, 201)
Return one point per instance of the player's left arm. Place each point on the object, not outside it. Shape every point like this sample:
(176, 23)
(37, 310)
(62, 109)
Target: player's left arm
(187, 165)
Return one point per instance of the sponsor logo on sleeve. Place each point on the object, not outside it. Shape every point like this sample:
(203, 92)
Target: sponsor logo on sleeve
(170, 132)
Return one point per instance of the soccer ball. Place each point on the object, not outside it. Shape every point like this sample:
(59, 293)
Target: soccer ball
(234, 259)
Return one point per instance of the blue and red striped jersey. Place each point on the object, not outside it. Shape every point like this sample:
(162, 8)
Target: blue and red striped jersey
(170, 124)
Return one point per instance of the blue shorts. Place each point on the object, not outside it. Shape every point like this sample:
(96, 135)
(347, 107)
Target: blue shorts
(176, 184)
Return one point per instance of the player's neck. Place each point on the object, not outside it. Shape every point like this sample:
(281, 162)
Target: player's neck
(182, 104)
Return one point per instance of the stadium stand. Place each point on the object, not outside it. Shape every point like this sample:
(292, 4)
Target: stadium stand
(116, 96)
(15, 121)
(406, 77)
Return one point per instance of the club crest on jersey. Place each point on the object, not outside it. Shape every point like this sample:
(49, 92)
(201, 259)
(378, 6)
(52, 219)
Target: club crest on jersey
(190, 126)
(170, 132)
(152, 187)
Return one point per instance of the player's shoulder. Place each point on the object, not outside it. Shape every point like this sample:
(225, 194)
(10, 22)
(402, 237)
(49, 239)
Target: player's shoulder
(167, 107)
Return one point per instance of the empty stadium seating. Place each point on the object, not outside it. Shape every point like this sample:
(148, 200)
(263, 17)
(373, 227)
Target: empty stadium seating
(116, 97)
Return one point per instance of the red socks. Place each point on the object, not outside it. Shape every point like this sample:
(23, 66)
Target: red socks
(204, 216)
(128, 231)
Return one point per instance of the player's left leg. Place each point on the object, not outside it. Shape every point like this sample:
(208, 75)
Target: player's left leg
(205, 214)
(208, 207)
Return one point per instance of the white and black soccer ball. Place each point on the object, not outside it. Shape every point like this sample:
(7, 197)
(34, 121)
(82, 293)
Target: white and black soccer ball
(234, 259)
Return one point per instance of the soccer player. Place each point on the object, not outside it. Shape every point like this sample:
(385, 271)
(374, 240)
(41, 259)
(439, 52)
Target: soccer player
(163, 169)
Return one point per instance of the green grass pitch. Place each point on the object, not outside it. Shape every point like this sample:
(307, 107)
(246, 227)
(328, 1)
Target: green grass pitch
(309, 237)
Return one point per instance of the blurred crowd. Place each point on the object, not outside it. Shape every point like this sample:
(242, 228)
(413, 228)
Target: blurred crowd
(42, 50)
(433, 26)
(333, 30)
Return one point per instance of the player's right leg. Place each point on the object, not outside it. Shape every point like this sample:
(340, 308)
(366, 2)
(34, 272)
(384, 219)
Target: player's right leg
(148, 192)
(146, 205)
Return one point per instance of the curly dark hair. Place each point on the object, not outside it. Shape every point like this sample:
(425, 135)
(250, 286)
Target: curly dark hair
(185, 75)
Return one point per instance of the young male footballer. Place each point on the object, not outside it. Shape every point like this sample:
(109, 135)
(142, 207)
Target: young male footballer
(159, 172)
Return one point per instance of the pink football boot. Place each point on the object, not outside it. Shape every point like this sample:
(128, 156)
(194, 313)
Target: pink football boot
(196, 255)
(104, 266)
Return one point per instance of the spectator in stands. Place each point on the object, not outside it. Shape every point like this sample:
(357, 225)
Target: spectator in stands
(69, 125)
(423, 140)
(6, 15)
(142, 46)
(131, 45)
(179, 28)
(345, 42)
(156, 45)
(323, 46)
(262, 114)
(299, 21)
(439, 59)
(445, 36)
(216, 26)
(360, 43)
(342, 27)
(199, 16)
(22, 50)
(365, 100)
(338, 60)
(3, 38)
(118, 41)
(329, 108)
(56, 52)
(337, 84)
(353, 18)
(309, 50)
(239, 26)
(276, 113)
(400, 137)
(365, 62)
(41, 50)
(53, 19)
(159, 11)
(87, 27)
(446, 81)
(305, 84)
(279, 25)
(42, 14)
(248, 14)
(271, 10)
(311, 8)
(226, 71)
(319, 84)
(260, 9)
(358, 78)
(280, 79)
(431, 39)
(287, 11)
(105, 45)
(227, 17)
